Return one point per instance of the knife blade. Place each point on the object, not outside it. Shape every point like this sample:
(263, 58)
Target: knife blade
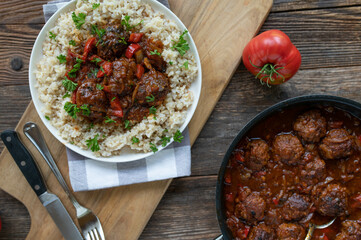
(51, 202)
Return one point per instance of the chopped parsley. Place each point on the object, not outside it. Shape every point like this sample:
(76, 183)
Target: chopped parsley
(135, 140)
(170, 63)
(113, 99)
(96, 60)
(185, 65)
(86, 109)
(126, 124)
(178, 136)
(153, 147)
(93, 72)
(155, 52)
(99, 86)
(71, 109)
(52, 35)
(67, 94)
(61, 58)
(99, 32)
(108, 120)
(125, 22)
(72, 42)
(150, 98)
(122, 40)
(75, 69)
(181, 45)
(69, 84)
(152, 110)
(91, 126)
(47, 117)
(95, 5)
(165, 140)
(93, 144)
(78, 20)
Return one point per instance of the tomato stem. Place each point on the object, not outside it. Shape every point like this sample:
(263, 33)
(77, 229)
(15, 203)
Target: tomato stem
(268, 70)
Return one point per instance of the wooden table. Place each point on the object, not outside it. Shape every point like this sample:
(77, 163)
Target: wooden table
(328, 35)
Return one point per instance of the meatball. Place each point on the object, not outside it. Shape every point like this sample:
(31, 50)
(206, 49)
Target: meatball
(331, 201)
(261, 231)
(296, 207)
(257, 154)
(149, 45)
(338, 143)
(311, 126)
(291, 231)
(287, 148)
(252, 208)
(137, 113)
(351, 230)
(122, 80)
(88, 96)
(313, 172)
(152, 88)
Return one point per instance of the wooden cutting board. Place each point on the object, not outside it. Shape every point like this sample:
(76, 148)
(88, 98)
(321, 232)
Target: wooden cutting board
(220, 29)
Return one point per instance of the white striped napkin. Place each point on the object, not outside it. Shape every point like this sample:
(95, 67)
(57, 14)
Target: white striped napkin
(87, 174)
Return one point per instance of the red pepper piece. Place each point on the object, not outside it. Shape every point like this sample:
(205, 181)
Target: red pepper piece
(275, 201)
(117, 113)
(135, 37)
(243, 233)
(106, 69)
(88, 47)
(94, 57)
(132, 48)
(140, 71)
(239, 157)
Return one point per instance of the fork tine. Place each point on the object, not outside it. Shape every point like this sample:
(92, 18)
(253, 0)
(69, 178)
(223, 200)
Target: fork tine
(88, 237)
(101, 233)
(94, 231)
(98, 234)
(91, 234)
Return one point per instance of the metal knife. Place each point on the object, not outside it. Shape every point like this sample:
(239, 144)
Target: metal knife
(52, 203)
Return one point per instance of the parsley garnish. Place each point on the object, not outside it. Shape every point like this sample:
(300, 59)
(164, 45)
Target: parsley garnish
(86, 110)
(170, 63)
(72, 42)
(96, 60)
(185, 65)
(67, 94)
(126, 124)
(113, 99)
(91, 126)
(109, 120)
(99, 32)
(153, 147)
(52, 35)
(69, 85)
(47, 117)
(135, 140)
(122, 40)
(165, 140)
(100, 87)
(155, 52)
(76, 67)
(181, 46)
(125, 22)
(62, 58)
(71, 109)
(78, 20)
(93, 73)
(152, 110)
(95, 5)
(178, 136)
(150, 98)
(93, 143)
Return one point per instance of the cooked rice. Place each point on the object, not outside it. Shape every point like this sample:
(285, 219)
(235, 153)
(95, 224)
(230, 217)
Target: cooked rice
(112, 139)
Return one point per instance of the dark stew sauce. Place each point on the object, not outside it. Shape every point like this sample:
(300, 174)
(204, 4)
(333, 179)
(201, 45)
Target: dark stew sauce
(297, 166)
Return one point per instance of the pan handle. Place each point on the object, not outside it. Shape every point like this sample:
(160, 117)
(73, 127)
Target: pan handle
(220, 237)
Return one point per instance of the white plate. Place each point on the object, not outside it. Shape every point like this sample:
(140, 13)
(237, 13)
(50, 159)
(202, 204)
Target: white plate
(125, 156)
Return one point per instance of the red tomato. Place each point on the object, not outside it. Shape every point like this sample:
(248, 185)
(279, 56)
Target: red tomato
(140, 71)
(272, 57)
(132, 48)
(135, 37)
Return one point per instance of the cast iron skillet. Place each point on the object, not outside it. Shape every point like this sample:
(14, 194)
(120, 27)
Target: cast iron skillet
(309, 101)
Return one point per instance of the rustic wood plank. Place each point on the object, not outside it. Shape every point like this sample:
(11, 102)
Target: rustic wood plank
(286, 5)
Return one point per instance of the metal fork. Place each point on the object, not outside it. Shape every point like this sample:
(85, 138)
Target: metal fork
(88, 221)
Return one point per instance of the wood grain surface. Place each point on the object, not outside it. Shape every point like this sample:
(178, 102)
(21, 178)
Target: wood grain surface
(327, 33)
(136, 203)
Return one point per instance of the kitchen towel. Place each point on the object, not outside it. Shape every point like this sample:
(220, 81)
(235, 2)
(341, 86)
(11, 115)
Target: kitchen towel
(87, 174)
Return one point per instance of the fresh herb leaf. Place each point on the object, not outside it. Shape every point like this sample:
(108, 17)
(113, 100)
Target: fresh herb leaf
(69, 85)
(122, 40)
(47, 117)
(185, 65)
(126, 124)
(102, 69)
(109, 120)
(153, 147)
(62, 58)
(165, 140)
(170, 63)
(91, 126)
(165, 130)
(125, 22)
(93, 144)
(100, 87)
(86, 109)
(78, 20)
(155, 52)
(99, 32)
(178, 136)
(52, 35)
(152, 110)
(150, 98)
(135, 140)
(67, 94)
(113, 99)
(181, 45)
(72, 42)
(95, 5)
(96, 60)
(75, 69)
(71, 109)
